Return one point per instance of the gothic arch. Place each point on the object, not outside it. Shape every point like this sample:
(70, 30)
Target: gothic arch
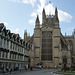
(70, 43)
(64, 60)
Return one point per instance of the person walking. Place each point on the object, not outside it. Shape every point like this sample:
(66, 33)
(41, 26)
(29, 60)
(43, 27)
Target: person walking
(10, 70)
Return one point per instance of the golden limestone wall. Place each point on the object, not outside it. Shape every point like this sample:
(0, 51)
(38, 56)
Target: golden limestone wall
(37, 45)
(56, 42)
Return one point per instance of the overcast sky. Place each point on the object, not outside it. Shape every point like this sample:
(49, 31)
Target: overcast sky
(19, 15)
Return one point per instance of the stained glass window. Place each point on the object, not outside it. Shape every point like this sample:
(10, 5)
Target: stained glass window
(46, 54)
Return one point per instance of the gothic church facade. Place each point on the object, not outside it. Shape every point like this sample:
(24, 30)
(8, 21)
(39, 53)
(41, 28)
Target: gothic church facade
(51, 48)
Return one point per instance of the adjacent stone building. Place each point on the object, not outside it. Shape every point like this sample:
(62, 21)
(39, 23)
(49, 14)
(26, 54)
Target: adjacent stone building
(14, 51)
(71, 45)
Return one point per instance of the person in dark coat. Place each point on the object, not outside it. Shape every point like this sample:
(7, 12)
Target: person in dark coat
(10, 70)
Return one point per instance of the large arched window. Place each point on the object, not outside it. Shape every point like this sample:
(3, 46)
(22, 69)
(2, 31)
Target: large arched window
(71, 45)
(46, 54)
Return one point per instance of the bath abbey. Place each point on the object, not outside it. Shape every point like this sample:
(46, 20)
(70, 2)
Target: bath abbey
(47, 46)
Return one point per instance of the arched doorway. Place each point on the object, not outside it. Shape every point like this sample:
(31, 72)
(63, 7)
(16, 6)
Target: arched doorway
(64, 61)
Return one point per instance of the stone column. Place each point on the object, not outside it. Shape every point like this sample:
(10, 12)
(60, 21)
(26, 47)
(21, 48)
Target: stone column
(69, 59)
(60, 58)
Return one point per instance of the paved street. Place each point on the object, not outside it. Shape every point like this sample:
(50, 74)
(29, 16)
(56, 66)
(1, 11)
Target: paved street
(35, 72)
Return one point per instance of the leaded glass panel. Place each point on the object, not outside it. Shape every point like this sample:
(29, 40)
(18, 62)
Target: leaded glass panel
(46, 46)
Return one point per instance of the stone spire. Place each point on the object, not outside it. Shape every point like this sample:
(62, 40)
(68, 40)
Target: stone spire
(56, 12)
(56, 19)
(37, 22)
(37, 19)
(65, 34)
(25, 35)
(56, 15)
(43, 16)
(74, 31)
(43, 11)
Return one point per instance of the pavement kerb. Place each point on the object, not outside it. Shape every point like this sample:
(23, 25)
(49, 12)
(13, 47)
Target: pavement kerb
(20, 71)
(53, 73)
(57, 73)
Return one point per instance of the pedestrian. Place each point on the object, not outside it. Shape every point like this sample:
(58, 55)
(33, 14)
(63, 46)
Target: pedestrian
(7, 69)
(10, 70)
(4, 70)
(31, 68)
(19, 69)
(25, 67)
(55, 66)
